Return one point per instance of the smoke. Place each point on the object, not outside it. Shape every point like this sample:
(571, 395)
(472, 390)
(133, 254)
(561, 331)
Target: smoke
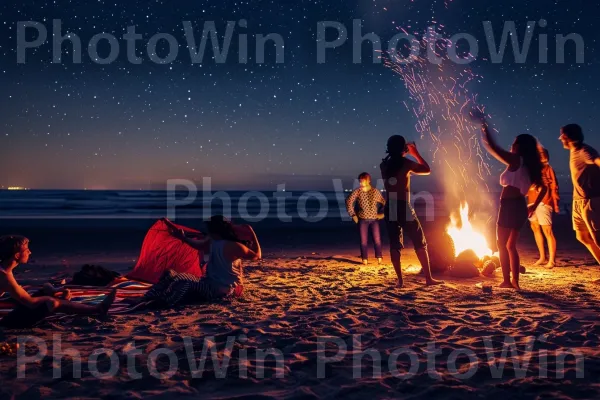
(440, 98)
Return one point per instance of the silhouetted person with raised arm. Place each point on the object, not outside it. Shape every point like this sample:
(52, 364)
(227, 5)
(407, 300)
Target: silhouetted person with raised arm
(523, 169)
(400, 217)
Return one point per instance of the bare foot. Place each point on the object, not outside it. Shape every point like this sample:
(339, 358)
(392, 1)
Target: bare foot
(365, 262)
(379, 260)
(400, 284)
(506, 285)
(433, 282)
(107, 302)
(551, 264)
(539, 262)
(515, 284)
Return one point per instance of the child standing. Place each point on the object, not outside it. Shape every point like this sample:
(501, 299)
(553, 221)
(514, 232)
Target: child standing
(368, 217)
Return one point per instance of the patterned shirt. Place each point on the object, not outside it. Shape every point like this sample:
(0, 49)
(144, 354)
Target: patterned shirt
(367, 203)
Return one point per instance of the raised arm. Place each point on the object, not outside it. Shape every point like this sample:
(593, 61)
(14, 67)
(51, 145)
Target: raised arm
(169, 224)
(254, 244)
(198, 244)
(421, 167)
(235, 251)
(504, 156)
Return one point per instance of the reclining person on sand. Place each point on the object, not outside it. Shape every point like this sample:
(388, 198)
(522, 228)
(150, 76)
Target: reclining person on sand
(14, 250)
(224, 272)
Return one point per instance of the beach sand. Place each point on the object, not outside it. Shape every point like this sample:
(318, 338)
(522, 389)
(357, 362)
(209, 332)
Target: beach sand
(309, 286)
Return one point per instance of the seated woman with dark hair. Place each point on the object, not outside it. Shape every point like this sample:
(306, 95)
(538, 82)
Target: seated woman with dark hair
(224, 272)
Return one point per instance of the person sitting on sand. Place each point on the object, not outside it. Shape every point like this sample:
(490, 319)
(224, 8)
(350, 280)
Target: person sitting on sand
(523, 169)
(396, 170)
(585, 173)
(14, 250)
(368, 217)
(541, 220)
(224, 272)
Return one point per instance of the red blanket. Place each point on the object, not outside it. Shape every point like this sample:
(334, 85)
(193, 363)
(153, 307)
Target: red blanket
(162, 251)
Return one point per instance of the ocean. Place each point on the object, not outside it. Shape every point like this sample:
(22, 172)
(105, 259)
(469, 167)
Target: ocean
(250, 206)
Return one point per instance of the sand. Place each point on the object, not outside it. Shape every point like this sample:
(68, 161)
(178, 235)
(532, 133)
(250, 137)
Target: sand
(302, 294)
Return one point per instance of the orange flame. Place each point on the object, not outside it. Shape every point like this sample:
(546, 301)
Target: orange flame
(465, 237)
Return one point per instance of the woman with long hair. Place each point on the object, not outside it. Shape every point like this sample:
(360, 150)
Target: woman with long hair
(400, 217)
(523, 169)
(224, 272)
(541, 220)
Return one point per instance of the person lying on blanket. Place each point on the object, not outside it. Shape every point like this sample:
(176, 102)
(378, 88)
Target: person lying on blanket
(224, 273)
(31, 309)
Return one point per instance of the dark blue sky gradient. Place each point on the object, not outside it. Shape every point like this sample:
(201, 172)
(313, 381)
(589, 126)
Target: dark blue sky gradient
(256, 126)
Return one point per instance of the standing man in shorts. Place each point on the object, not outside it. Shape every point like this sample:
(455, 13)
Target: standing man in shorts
(541, 220)
(585, 173)
(400, 217)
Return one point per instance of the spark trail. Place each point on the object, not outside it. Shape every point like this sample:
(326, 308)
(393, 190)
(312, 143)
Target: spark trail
(440, 100)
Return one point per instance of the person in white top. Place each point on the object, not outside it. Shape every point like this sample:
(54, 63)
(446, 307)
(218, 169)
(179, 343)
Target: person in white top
(224, 272)
(523, 169)
(541, 221)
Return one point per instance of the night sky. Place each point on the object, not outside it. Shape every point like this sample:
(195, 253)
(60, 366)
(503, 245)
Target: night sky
(256, 125)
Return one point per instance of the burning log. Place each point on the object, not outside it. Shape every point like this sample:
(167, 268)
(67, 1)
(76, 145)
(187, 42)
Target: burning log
(467, 257)
(489, 268)
(441, 251)
(465, 265)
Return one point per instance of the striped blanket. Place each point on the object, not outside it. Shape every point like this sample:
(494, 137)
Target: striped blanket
(126, 291)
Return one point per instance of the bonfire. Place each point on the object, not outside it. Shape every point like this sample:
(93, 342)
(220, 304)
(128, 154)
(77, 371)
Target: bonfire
(465, 237)
(470, 250)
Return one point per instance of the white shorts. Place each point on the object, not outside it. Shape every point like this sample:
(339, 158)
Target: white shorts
(542, 215)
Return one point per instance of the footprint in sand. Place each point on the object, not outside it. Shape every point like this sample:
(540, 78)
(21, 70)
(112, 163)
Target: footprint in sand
(578, 288)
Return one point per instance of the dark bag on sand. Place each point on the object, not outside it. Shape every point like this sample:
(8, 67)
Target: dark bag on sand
(94, 275)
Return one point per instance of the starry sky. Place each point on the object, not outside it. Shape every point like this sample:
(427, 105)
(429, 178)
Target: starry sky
(250, 125)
